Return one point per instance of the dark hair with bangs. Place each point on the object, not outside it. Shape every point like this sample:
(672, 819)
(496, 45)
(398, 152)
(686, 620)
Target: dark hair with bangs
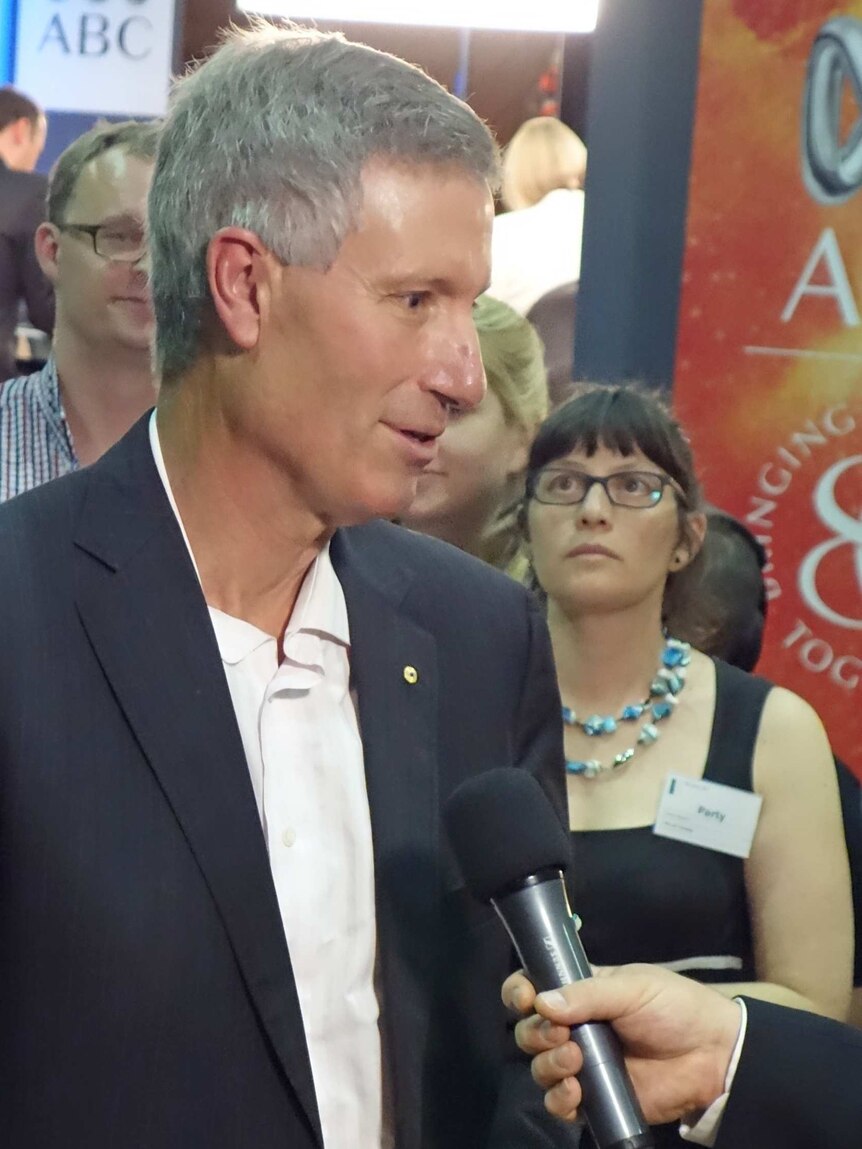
(625, 419)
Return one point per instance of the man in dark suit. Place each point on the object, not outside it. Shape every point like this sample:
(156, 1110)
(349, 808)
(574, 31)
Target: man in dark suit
(22, 209)
(740, 1074)
(230, 713)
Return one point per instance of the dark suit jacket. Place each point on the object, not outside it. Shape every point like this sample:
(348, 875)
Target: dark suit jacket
(22, 209)
(797, 1085)
(146, 987)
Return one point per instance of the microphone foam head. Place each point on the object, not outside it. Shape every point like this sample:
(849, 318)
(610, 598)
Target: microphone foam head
(503, 828)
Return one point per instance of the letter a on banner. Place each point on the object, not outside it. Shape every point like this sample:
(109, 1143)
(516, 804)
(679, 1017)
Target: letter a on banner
(838, 288)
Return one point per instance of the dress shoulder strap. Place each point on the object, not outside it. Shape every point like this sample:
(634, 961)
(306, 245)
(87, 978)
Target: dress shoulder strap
(739, 701)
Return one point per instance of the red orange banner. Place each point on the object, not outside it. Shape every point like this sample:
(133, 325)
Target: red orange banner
(769, 357)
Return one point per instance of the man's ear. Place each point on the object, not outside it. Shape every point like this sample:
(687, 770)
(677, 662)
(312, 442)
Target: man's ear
(239, 273)
(21, 131)
(46, 242)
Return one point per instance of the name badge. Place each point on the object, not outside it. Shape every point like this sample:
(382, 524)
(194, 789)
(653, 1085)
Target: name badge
(708, 814)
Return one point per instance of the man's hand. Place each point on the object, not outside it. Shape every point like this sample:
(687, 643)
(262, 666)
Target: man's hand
(677, 1036)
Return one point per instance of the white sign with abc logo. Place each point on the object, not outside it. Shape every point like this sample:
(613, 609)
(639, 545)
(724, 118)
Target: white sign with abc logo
(101, 56)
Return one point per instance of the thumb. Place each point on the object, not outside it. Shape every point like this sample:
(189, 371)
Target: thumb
(608, 995)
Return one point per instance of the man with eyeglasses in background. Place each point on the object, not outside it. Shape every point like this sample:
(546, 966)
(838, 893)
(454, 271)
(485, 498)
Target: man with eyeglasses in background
(98, 380)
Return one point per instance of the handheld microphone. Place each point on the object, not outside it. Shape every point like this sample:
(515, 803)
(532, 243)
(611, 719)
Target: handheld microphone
(512, 850)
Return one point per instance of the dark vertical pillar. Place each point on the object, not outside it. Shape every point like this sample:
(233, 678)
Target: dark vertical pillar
(643, 79)
(577, 54)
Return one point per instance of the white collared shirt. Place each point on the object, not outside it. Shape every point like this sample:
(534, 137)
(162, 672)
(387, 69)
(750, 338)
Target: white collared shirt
(302, 745)
(705, 1128)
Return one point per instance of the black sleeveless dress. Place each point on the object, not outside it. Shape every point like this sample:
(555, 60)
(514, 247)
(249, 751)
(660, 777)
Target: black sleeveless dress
(643, 898)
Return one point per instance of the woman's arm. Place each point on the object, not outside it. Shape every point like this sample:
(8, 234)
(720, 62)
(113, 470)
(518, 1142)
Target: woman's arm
(797, 876)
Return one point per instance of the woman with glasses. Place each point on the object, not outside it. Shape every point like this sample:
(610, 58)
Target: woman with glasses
(703, 805)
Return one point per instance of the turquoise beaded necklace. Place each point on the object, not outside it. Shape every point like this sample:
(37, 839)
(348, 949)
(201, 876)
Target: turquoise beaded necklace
(659, 704)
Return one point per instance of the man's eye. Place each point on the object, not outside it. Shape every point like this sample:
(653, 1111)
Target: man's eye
(415, 299)
(128, 238)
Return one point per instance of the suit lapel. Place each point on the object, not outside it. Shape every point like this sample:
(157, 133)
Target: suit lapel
(145, 615)
(398, 720)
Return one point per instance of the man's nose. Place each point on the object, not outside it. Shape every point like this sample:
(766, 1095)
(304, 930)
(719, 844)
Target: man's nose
(142, 263)
(456, 374)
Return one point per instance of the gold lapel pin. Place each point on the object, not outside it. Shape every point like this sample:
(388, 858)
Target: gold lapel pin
(411, 675)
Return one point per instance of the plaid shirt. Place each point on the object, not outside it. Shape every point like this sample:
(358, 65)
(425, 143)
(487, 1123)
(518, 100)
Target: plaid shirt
(35, 443)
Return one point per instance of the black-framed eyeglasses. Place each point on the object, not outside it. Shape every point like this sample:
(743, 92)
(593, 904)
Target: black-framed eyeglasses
(121, 243)
(565, 487)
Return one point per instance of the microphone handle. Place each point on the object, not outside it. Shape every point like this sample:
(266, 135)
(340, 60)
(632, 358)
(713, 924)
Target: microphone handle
(538, 919)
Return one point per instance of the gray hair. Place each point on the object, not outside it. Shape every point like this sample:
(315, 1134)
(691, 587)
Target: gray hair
(271, 134)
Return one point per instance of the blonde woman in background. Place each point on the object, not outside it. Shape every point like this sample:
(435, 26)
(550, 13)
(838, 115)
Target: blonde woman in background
(537, 242)
(470, 493)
